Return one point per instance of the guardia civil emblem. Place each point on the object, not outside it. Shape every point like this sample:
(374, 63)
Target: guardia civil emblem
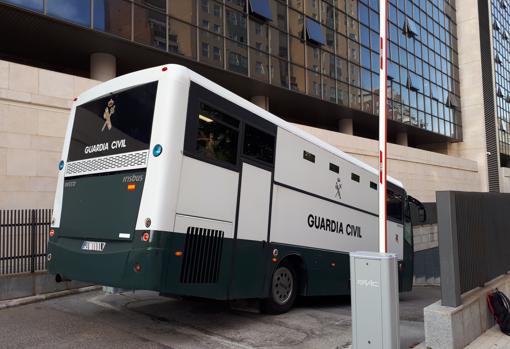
(107, 115)
(338, 188)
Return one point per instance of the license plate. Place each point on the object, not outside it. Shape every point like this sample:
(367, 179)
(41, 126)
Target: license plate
(93, 246)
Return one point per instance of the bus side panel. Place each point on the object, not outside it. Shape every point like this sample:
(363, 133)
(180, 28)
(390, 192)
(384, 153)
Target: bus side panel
(325, 272)
(252, 257)
(317, 174)
(206, 209)
(323, 233)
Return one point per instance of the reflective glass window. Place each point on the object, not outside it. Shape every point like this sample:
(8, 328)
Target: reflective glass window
(363, 14)
(215, 42)
(76, 11)
(261, 9)
(297, 51)
(237, 57)
(36, 5)
(113, 16)
(365, 58)
(364, 35)
(279, 43)
(279, 11)
(182, 38)
(366, 79)
(342, 72)
(259, 36)
(279, 72)
(343, 94)
(297, 78)
(150, 27)
(186, 10)
(236, 26)
(159, 5)
(314, 32)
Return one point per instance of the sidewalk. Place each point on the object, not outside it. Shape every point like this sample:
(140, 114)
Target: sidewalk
(491, 339)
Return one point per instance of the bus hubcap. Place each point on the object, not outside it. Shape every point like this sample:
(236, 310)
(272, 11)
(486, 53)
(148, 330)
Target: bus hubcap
(283, 284)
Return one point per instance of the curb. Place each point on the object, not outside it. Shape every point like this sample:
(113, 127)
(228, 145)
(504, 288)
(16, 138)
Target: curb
(45, 296)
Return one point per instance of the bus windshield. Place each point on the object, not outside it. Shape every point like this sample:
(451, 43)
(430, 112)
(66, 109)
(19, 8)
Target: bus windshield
(120, 122)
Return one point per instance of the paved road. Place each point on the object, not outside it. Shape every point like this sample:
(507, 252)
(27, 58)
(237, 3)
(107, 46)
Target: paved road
(145, 320)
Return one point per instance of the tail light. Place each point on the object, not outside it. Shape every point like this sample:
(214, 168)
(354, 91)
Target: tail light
(146, 236)
(52, 233)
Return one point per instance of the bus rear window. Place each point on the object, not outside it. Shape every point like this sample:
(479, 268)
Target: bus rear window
(118, 123)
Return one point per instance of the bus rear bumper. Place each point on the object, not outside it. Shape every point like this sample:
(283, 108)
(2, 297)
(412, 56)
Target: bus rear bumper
(125, 267)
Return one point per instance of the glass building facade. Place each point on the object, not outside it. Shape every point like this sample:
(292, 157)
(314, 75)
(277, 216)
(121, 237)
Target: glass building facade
(328, 49)
(501, 55)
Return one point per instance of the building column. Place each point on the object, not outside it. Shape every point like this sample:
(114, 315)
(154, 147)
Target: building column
(402, 138)
(261, 101)
(346, 126)
(103, 66)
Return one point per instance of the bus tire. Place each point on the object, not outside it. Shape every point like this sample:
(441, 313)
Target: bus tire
(283, 290)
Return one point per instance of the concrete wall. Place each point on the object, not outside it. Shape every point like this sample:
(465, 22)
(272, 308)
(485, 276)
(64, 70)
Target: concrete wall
(34, 107)
(455, 328)
(473, 145)
(422, 172)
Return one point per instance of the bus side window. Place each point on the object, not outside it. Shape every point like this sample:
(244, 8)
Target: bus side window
(394, 206)
(408, 229)
(258, 144)
(217, 135)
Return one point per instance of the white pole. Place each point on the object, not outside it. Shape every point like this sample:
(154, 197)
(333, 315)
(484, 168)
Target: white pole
(383, 233)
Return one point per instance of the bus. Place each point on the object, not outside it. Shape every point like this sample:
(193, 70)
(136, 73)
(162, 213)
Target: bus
(169, 182)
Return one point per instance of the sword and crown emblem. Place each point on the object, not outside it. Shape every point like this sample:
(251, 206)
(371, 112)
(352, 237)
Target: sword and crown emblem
(107, 115)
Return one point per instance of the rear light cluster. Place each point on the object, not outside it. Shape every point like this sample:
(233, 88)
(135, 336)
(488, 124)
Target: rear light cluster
(52, 233)
(146, 236)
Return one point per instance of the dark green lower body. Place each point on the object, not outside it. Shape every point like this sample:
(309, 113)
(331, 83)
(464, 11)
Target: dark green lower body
(241, 268)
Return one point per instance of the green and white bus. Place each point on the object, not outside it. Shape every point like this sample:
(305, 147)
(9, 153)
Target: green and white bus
(171, 183)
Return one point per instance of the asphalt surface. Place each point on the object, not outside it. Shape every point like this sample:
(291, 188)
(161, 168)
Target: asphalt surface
(145, 320)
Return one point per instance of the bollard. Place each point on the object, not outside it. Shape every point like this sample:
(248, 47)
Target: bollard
(374, 301)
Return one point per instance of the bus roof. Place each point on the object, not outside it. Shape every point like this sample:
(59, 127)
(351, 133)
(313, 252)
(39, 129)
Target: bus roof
(153, 73)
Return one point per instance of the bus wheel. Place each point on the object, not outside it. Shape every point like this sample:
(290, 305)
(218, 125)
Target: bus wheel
(283, 290)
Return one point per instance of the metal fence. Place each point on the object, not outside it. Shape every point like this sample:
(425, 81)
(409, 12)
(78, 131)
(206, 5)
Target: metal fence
(23, 240)
(474, 241)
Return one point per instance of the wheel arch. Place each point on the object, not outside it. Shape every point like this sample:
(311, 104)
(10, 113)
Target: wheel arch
(298, 262)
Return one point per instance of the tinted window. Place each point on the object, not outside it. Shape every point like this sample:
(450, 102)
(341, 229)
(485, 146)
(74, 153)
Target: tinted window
(217, 135)
(118, 123)
(394, 206)
(258, 144)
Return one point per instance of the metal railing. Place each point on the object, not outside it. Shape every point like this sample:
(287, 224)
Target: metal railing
(23, 240)
(474, 241)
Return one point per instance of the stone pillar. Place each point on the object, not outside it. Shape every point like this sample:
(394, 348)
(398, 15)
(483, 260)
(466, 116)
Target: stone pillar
(402, 138)
(346, 126)
(261, 101)
(103, 66)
